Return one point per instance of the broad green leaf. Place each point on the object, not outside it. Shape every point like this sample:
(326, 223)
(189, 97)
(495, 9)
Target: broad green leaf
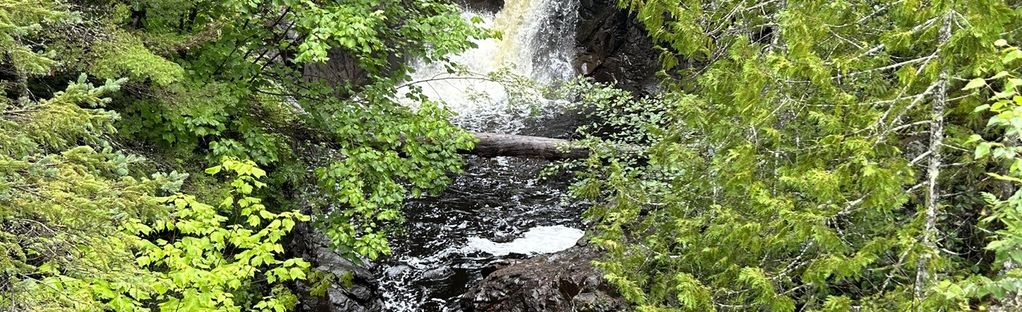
(983, 149)
(1012, 56)
(975, 84)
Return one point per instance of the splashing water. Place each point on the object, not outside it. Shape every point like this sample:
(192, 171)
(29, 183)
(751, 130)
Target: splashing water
(537, 43)
(498, 209)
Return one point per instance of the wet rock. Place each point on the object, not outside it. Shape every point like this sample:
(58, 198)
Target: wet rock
(503, 237)
(614, 48)
(397, 270)
(437, 274)
(494, 265)
(590, 301)
(340, 300)
(359, 295)
(563, 281)
(491, 6)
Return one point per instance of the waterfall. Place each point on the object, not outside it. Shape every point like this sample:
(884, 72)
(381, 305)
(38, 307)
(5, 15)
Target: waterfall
(497, 209)
(537, 43)
(540, 38)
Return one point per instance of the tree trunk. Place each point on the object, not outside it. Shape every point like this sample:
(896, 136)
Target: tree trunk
(929, 235)
(493, 144)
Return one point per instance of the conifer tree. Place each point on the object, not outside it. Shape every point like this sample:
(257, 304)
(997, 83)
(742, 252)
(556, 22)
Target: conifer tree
(816, 157)
(105, 193)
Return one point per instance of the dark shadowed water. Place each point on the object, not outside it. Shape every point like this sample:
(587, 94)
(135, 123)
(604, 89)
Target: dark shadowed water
(497, 200)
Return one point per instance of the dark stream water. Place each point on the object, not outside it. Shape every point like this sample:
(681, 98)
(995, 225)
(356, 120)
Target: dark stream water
(499, 208)
(497, 199)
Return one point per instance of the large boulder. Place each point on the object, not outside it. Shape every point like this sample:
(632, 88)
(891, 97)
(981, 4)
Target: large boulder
(563, 281)
(614, 48)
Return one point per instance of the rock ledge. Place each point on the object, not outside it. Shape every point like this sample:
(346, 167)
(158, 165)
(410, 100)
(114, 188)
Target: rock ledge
(563, 281)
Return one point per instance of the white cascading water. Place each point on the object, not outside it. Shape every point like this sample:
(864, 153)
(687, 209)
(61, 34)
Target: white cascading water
(538, 43)
(450, 240)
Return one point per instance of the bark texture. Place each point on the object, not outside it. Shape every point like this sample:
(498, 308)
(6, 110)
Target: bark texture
(929, 235)
(494, 144)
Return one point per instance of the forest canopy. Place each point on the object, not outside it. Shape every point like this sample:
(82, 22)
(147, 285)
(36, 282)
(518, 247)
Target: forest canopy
(155, 154)
(817, 156)
(798, 155)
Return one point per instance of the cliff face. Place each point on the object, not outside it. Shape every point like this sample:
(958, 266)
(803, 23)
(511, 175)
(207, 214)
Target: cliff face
(614, 48)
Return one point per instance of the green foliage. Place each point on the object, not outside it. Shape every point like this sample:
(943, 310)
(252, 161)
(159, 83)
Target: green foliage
(366, 30)
(189, 254)
(62, 203)
(225, 85)
(784, 167)
(20, 19)
(379, 171)
(622, 118)
(1004, 216)
(212, 258)
(125, 56)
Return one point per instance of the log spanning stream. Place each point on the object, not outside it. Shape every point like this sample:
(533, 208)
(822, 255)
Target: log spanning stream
(498, 209)
(495, 144)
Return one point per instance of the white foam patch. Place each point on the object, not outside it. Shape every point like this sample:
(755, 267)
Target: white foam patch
(538, 240)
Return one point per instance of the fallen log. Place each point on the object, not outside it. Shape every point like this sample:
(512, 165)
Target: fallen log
(494, 144)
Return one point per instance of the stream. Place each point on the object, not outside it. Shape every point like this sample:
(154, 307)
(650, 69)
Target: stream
(498, 209)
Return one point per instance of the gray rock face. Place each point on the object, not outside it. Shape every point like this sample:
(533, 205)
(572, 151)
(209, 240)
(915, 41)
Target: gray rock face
(614, 48)
(361, 295)
(563, 281)
(491, 6)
